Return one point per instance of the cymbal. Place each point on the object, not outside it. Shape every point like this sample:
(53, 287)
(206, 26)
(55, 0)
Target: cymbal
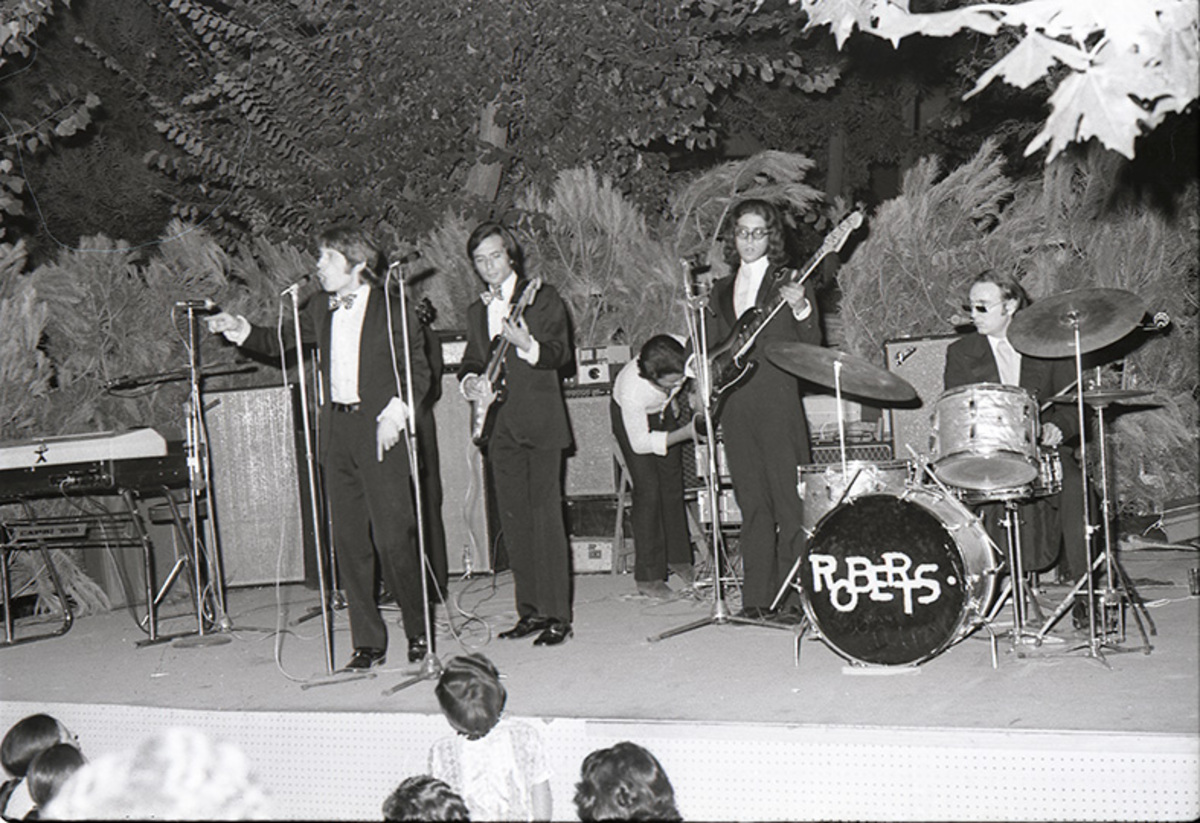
(818, 364)
(1047, 327)
(1106, 397)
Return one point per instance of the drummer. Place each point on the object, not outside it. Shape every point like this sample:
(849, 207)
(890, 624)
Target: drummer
(1051, 528)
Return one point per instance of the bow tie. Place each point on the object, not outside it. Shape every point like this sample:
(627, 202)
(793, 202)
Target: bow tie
(491, 294)
(336, 302)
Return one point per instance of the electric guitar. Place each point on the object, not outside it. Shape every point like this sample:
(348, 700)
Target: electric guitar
(483, 412)
(729, 361)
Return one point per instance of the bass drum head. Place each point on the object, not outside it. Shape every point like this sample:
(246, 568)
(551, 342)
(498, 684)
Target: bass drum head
(885, 581)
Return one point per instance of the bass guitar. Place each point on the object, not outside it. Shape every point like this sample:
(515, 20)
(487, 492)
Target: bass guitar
(729, 361)
(483, 412)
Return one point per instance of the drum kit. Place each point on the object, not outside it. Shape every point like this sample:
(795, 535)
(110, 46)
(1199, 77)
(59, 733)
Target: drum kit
(898, 566)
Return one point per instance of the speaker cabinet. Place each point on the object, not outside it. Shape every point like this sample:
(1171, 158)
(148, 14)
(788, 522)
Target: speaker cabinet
(259, 488)
(463, 491)
(591, 467)
(921, 361)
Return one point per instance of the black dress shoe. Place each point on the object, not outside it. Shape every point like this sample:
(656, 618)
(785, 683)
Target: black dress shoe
(526, 626)
(555, 633)
(364, 659)
(417, 649)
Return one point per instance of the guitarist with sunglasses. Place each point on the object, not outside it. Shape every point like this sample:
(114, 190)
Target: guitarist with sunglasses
(763, 423)
(518, 340)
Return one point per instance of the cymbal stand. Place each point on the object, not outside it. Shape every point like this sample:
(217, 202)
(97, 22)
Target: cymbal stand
(1118, 589)
(1088, 580)
(431, 666)
(719, 615)
(314, 500)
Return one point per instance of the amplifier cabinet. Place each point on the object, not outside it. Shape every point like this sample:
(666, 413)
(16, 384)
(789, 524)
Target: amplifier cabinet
(591, 469)
(259, 488)
(921, 361)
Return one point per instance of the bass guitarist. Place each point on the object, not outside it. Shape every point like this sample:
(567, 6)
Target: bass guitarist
(762, 419)
(529, 430)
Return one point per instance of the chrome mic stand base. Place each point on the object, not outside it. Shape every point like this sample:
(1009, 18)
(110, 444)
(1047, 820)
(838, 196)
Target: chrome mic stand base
(431, 669)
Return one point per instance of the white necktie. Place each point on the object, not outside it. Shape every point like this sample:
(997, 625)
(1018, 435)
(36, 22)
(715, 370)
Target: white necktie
(1008, 362)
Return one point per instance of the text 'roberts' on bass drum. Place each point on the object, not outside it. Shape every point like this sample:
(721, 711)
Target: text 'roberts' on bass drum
(729, 361)
(483, 412)
(894, 580)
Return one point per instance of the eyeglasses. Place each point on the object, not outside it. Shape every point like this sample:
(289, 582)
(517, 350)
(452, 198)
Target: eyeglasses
(980, 308)
(746, 234)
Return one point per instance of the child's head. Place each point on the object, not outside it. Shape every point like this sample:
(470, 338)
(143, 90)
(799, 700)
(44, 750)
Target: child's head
(624, 782)
(471, 695)
(424, 797)
(27, 739)
(50, 769)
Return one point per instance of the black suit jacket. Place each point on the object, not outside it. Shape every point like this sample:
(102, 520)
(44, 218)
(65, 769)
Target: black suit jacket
(970, 360)
(534, 412)
(376, 376)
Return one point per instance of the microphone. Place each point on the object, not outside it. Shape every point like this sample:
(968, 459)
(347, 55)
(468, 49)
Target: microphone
(697, 263)
(122, 382)
(199, 305)
(1159, 321)
(408, 258)
(294, 288)
(959, 320)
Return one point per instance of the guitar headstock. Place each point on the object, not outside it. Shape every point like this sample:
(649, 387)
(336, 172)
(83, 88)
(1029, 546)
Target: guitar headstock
(837, 238)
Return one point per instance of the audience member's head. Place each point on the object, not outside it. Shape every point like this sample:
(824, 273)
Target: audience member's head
(471, 695)
(424, 797)
(177, 774)
(28, 738)
(50, 769)
(624, 782)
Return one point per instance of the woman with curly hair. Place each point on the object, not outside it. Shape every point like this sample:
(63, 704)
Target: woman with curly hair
(624, 782)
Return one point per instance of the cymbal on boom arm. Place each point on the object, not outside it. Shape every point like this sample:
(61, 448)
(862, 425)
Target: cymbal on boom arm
(1103, 316)
(858, 377)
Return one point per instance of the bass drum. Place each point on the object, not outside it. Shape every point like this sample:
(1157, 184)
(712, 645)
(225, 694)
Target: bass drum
(823, 486)
(895, 580)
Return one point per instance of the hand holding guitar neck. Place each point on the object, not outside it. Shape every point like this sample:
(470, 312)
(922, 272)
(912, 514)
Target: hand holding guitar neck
(491, 388)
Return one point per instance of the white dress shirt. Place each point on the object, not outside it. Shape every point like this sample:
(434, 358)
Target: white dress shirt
(345, 335)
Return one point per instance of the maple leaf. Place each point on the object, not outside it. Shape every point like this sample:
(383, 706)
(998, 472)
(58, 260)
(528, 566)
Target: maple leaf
(842, 16)
(1029, 61)
(1095, 103)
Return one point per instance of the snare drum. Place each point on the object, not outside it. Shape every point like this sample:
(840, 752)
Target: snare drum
(895, 580)
(984, 437)
(1048, 482)
(823, 486)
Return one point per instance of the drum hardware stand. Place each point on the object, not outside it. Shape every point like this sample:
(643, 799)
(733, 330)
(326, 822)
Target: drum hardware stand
(431, 666)
(719, 614)
(1118, 588)
(208, 545)
(1094, 641)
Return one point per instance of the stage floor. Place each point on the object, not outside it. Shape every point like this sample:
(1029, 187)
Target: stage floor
(1127, 702)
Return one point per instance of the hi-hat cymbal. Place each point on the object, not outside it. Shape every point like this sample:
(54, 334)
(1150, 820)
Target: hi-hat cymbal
(1107, 397)
(819, 365)
(1047, 327)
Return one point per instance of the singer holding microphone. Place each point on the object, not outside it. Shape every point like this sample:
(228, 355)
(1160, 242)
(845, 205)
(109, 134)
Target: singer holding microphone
(362, 418)
(1052, 525)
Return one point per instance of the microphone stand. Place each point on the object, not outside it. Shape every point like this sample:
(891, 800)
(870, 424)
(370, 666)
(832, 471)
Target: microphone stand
(310, 463)
(431, 666)
(719, 614)
(196, 453)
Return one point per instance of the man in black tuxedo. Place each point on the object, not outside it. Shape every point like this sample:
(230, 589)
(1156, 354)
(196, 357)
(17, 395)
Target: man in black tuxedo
(362, 416)
(1052, 526)
(530, 429)
(763, 423)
